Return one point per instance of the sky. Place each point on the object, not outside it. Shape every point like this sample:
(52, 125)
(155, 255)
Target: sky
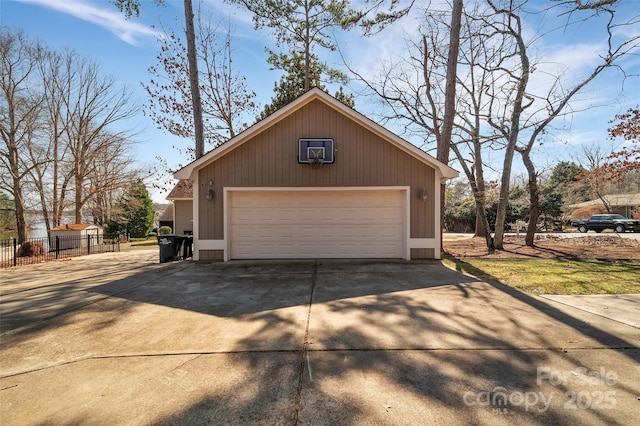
(126, 48)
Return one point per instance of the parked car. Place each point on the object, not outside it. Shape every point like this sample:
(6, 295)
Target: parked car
(600, 222)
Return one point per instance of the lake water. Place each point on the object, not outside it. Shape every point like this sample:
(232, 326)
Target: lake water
(38, 229)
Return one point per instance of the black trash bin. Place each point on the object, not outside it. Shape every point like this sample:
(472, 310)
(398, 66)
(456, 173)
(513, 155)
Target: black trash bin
(187, 246)
(170, 246)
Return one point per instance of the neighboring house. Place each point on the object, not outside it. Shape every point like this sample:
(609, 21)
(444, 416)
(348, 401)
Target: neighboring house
(627, 205)
(166, 217)
(75, 235)
(316, 179)
(182, 204)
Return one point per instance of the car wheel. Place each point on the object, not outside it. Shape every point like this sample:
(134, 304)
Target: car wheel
(583, 228)
(619, 229)
(598, 230)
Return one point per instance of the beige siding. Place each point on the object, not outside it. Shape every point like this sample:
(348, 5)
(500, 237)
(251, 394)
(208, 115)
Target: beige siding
(212, 255)
(422, 253)
(361, 159)
(182, 220)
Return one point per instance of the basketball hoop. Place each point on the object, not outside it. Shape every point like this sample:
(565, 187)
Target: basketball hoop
(315, 152)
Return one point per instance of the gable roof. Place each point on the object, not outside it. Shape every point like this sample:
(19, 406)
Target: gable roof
(310, 96)
(182, 191)
(167, 214)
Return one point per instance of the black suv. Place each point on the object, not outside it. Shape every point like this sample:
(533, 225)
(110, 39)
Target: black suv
(600, 222)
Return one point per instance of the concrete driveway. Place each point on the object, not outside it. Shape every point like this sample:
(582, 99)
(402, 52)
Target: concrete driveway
(122, 339)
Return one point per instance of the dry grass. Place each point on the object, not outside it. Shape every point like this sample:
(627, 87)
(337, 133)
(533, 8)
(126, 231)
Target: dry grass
(597, 264)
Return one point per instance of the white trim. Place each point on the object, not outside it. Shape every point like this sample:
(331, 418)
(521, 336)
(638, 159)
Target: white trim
(420, 243)
(225, 224)
(407, 219)
(212, 244)
(225, 244)
(316, 188)
(195, 212)
(426, 243)
(437, 225)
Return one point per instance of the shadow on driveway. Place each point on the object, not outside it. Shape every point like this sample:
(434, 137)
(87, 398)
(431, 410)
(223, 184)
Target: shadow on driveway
(321, 342)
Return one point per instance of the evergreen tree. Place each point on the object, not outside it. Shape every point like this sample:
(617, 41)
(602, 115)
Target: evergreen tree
(302, 26)
(565, 188)
(291, 84)
(136, 215)
(7, 213)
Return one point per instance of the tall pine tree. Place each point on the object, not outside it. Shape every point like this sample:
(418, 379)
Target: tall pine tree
(302, 26)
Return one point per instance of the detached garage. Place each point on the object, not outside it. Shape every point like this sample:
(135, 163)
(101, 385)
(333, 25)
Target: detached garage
(316, 179)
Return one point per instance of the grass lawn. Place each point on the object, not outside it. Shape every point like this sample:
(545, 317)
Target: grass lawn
(552, 276)
(144, 243)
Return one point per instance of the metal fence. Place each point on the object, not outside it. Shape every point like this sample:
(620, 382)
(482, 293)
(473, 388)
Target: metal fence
(37, 250)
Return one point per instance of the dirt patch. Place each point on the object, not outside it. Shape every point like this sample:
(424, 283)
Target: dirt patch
(612, 247)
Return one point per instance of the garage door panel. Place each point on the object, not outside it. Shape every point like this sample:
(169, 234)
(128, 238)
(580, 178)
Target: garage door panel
(317, 224)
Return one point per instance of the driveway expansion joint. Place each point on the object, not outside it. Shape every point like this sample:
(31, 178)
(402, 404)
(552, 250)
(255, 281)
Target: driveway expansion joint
(305, 345)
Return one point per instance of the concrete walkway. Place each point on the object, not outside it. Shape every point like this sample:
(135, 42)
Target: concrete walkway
(122, 339)
(624, 308)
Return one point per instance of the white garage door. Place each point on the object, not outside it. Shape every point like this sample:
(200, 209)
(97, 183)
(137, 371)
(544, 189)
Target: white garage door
(317, 224)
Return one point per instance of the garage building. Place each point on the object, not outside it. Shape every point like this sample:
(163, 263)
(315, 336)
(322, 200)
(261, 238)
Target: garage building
(316, 179)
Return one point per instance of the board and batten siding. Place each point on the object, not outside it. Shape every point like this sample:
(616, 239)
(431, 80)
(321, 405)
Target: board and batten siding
(362, 158)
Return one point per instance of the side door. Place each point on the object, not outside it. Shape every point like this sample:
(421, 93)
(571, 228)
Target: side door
(601, 222)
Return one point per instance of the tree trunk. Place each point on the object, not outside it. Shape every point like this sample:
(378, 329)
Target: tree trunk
(78, 199)
(444, 144)
(480, 229)
(478, 189)
(307, 48)
(16, 187)
(21, 219)
(513, 135)
(59, 207)
(483, 224)
(534, 198)
(193, 79)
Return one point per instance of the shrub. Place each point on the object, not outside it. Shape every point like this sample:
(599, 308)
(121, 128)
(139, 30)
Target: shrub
(31, 248)
(164, 230)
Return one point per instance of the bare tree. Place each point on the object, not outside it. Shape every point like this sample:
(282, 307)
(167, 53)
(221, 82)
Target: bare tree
(545, 108)
(112, 172)
(92, 104)
(20, 108)
(415, 88)
(53, 177)
(495, 108)
(595, 159)
(132, 8)
(444, 144)
(226, 101)
(198, 126)
(505, 22)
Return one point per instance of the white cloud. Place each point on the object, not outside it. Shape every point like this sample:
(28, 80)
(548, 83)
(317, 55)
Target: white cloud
(110, 19)
(238, 14)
